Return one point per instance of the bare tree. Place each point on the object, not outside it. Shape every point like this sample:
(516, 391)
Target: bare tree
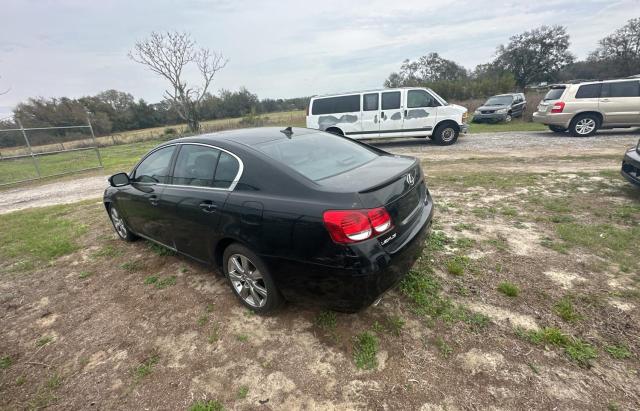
(168, 54)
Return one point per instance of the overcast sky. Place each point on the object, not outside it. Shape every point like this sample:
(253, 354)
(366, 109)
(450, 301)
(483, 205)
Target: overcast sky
(275, 48)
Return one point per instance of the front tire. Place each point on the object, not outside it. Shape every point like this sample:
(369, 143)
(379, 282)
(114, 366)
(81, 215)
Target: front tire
(446, 134)
(584, 125)
(120, 226)
(557, 129)
(250, 279)
(508, 118)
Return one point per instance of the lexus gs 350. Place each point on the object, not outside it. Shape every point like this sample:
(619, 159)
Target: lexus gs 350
(298, 215)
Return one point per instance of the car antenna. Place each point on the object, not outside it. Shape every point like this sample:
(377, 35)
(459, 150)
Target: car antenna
(287, 132)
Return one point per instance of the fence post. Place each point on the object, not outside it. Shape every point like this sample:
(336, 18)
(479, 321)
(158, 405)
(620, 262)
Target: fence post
(95, 143)
(33, 156)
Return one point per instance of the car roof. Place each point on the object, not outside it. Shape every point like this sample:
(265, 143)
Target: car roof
(246, 136)
(375, 90)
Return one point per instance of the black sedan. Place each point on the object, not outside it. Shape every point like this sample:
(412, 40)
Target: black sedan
(631, 165)
(294, 214)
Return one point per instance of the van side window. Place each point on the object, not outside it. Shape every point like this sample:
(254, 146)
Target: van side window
(330, 105)
(420, 98)
(589, 91)
(621, 89)
(390, 100)
(370, 102)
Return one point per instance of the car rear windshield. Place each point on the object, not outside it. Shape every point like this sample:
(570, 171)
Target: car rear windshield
(318, 155)
(499, 101)
(554, 93)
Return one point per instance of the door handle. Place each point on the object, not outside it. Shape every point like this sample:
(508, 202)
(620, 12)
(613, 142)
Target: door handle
(208, 206)
(153, 200)
(375, 118)
(605, 100)
(382, 116)
(405, 112)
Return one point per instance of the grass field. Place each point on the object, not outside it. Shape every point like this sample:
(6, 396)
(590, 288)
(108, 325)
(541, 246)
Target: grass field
(526, 296)
(121, 151)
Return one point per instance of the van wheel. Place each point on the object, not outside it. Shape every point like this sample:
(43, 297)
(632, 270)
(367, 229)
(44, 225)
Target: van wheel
(557, 129)
(584, 125)
(335, 130)
(445, 134)
(250, 279)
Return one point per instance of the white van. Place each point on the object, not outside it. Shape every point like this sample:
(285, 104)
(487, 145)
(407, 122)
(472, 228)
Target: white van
(401, 112)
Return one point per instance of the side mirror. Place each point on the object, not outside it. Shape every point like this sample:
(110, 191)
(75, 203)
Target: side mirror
(119, 180)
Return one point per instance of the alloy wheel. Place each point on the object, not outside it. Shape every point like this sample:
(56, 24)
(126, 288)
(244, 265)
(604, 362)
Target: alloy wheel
(118, 223)
(585, 126)
(247, 280)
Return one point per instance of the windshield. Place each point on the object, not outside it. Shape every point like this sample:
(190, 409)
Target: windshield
(318, 155)
(554, 94)
(499, 101)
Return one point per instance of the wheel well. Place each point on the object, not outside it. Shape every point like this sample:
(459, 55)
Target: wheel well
(335, 130)
(219, 251)
(107, 205)
(451, 123)
(594, 113)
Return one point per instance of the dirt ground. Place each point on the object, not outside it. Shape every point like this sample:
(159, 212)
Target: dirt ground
(92, 330)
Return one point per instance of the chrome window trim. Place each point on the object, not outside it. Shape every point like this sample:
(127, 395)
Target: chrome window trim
(231, 187)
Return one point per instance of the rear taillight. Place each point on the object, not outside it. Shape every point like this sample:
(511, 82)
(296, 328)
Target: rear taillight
(352, 226)
(557, 107)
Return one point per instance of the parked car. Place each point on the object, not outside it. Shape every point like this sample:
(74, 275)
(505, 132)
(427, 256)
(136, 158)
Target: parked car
(401, 112)
(503, 107)
(295, 214)
(585, 107)
(631, 165)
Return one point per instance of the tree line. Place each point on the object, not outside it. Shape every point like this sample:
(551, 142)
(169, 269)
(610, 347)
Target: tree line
(114, 111)
(531, 57)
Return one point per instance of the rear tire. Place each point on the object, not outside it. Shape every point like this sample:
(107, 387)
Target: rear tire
(557, 129)
(250, 279)
(335, 130)
(120, 225)
(445, 134)
(584, 125)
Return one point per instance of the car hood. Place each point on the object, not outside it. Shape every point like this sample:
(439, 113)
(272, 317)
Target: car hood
(457, 107)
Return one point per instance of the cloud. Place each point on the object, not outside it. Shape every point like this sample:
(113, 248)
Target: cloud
(276, 48)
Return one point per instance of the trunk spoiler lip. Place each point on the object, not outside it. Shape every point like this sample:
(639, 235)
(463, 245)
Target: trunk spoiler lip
(394, 178)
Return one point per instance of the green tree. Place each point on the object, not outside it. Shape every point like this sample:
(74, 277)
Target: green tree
(535, 55)
(620, 51)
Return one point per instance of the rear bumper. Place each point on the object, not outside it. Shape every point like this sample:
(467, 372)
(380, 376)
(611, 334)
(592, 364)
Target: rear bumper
(631, 167)
(555, 119)
(352, 289)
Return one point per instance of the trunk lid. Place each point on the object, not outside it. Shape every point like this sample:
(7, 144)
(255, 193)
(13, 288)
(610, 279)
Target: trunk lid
(393, 182)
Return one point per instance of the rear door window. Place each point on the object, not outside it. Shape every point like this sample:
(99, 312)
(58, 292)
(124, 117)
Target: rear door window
(195, 166)
(330, 105)
(370, 102)
(318, 155)
(554, 93)
(589, 91)
(391, 100)
(226, 171)
(621, 89)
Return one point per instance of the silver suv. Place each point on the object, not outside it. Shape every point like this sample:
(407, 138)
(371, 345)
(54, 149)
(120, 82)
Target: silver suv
(583, 108)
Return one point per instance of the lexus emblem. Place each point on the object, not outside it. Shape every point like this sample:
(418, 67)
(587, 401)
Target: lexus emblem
(410, 179)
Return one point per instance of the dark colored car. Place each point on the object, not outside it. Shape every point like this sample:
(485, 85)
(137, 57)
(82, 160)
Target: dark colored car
(295, 214)
(503, 107)
(631, 165)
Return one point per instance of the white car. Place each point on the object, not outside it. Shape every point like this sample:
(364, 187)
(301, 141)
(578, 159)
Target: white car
(401, 112)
